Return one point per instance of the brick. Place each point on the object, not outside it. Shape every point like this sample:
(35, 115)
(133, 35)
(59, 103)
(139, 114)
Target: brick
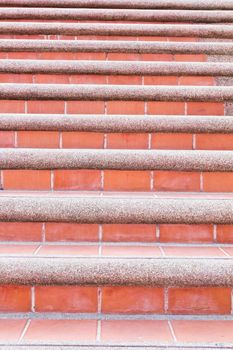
(51, 79)
(82, 140)
(199, 300)
(22, 55)
(85, 107)
(12, 106)
(15, 78)
(38, 139)
(163, 108)
(125, 107)
(77, 179)
(129, 233)
(119, 180)
(170, 233)
(15, 298)
(190, 58)
(217, 182)
(97, 56)
(56, 55)
(125, 80)
(7, 139)
(225, 233)
(112, 56)
(69, 232)
(88, 79)
(160, 80)
(50, 107)
(205, 108)
(172, 141)
(156, 57)
(26, 179)
(21, 231)
(176, 181)
(132, 300)
(201, 81)
(127, 141)
(65, 299)
(214, 141)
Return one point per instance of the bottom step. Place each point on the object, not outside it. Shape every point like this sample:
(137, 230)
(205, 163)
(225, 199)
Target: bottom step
(119, 333)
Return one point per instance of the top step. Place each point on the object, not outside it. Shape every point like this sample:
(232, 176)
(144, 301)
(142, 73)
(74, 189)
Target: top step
(135, 4)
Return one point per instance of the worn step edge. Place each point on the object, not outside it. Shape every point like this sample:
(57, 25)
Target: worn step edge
(115, 209)
(116, 67)
(176, 30)
(149, 4)
(211, 48)
(186, 160)
(115, 92)
(116, 123)
(185, 272)
(119, 15)
(166, 346)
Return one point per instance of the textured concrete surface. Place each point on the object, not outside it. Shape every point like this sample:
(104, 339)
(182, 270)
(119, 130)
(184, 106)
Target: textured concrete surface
(177, 30)
(117, 67)
(117, 347)
(213, 48)
(188, 4)
(188, 160)
(115, 92)
(184, 272)
(118, 209)
(117, 123)
(116, 15)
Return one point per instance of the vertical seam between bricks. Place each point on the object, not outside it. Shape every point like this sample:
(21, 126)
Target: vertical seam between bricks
(214, 233)
(201, 182)
(157, 232)
(151, 180)
(98, 332)
(16, 139)
(26, 107)
(99, 298)
(33, 298)
(194, 141)
(172, 331)
(24, 330)
(102, 180)
(166, 300)
(43, 233)
(52, 180)
(60, 140)
(65, 107)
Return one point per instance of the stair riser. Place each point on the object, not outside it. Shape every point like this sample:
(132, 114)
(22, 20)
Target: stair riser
(116, 300)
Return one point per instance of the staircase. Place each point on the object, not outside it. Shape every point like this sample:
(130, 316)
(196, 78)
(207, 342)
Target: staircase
(116, 174)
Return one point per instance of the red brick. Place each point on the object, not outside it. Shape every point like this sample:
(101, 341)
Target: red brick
(170, 233)
(77, 179)
(132, 300)
(176, 181)
(112, 56)
(205, 108)
(26, 179)
(50, 107)
(218, 182)
(65, 299)
(51, 79)
(7, 139)
(202, 81)
(100, 56)
(38, 139)
(22, 55)
(190, 58)
(127, 141)
(160, 80)
(12, 106)
(21, 231)
(214, 141)
(163, 108)
(225, 233)
(172, 141)
(156, 57)
(125, 107)
(66, 232)
(119, 180)
(88, 79)
(15, 298)
(199, 300)
(15, 78)
(56, 55)
(125, 79)
(82, 140)
(85, 107)
(129, 233)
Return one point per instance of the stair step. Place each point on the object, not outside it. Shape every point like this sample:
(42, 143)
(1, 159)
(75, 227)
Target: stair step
(113, 15)
(117, 68)
(176, 30)
(117, 123)
(116, 208)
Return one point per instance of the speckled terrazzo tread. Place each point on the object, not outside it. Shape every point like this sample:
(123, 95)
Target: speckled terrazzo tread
(119, 15)
(211, 48)
(116, 347)
(176, 272)
(186, 160)
(115, 92)
(175, 30)
(117, 123)
(148, 4)
(117, 67)
(119, 209)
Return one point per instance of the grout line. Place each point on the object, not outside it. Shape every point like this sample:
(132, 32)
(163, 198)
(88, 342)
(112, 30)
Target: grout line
(25, 107)
(24, 330)
(162, 251)
(60, 139)
(33, 299)
(37, 250)
(194, 141)
(157, 232)
(52, 180)
(16, 139)
(149, 140)
(223, 251)
(102, 180)
(215, 233)
(98, 332)
(151, 180)
(166, 300)
(172, 331)
(201, 181)
(43, 236)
